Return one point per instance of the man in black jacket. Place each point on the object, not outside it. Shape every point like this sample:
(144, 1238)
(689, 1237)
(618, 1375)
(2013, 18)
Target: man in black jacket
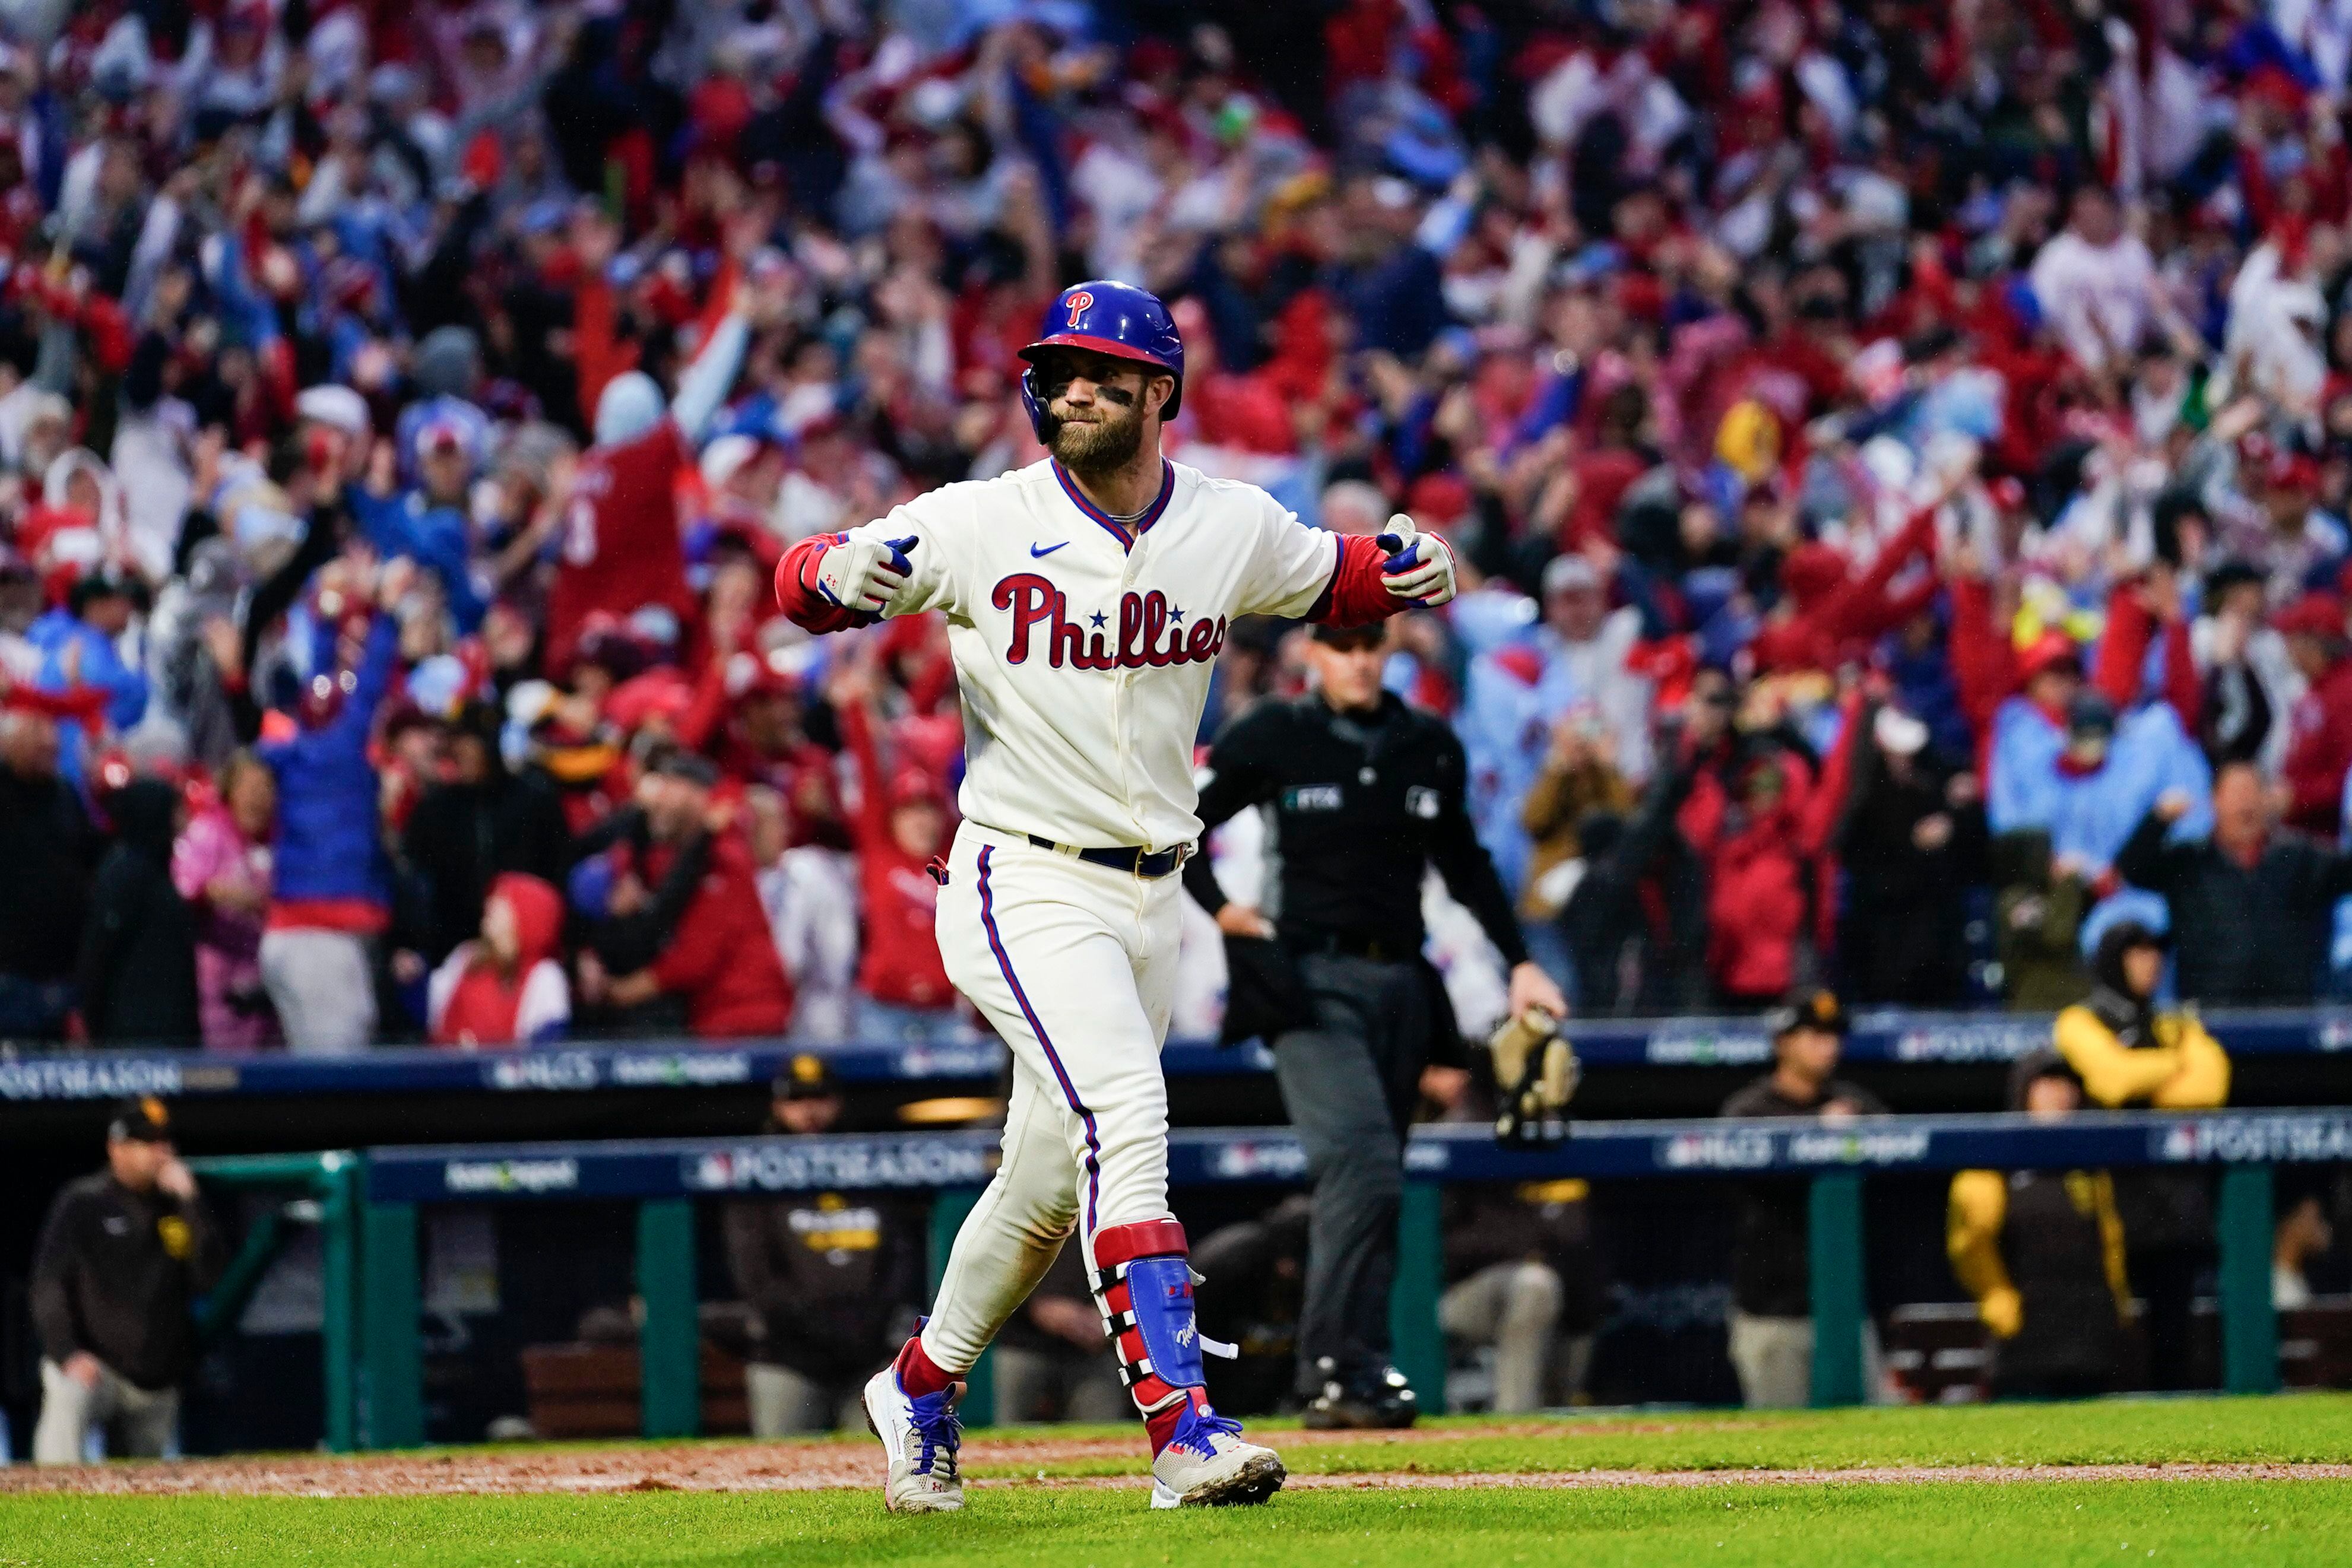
(1521, 1275)
(1628, 860)
(479, 821)
(48, 848)
(2249, 905)
(122, 1257)
(1772, 1326)
(137, 970)
(1911, 836)
(832, 1279)
(1366, 795)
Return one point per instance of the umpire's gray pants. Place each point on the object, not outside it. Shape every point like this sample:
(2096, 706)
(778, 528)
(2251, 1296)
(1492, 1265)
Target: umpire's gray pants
(1349, 1085)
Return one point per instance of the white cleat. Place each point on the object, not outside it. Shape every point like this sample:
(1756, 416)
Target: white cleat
(920, 1436)
(1209, 1464)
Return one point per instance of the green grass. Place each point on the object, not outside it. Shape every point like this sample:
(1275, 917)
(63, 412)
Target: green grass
(2294, 1428)
(2039, 1524)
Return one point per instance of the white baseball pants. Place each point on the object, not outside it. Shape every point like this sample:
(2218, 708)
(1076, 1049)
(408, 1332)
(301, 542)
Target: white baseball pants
(1075, 965)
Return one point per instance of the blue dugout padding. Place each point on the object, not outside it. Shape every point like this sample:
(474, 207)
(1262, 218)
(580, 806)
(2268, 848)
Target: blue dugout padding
(1882, 1037)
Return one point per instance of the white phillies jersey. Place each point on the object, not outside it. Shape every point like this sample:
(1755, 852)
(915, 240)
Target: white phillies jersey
(1084, 660)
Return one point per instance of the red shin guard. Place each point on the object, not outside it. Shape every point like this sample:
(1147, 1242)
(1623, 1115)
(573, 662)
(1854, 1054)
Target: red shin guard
(1144, 1284)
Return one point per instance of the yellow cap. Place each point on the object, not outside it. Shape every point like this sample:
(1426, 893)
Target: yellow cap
(1748, 439)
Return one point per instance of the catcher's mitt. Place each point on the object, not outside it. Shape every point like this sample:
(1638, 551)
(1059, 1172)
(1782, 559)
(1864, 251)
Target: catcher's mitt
(1535, 1075)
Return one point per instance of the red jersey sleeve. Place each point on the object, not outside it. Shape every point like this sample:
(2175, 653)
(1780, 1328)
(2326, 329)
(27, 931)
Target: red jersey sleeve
(597, 355)
(873, 806)
(2123, 650)
(1984, 664)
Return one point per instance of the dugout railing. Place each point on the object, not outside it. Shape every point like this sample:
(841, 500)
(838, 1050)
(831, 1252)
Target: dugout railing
(377, 1342)
(327, 1190)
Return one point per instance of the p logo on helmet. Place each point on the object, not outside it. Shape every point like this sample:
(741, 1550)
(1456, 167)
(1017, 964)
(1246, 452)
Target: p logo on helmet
(1077, 304)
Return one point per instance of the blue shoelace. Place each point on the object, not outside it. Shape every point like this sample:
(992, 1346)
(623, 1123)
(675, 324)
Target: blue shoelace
(936, 1422)
(1195, 1433)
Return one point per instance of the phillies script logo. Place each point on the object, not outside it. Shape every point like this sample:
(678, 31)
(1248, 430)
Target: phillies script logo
(1078, 303)
(1151, 633)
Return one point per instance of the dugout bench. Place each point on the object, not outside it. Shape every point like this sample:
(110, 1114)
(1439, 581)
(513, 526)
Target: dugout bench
(371, 1198)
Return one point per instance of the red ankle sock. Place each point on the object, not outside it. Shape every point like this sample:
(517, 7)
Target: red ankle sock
(1161, 1424)
(918, 1373)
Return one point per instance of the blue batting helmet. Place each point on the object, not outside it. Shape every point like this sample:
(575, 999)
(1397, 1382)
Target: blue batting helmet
(1109, 318)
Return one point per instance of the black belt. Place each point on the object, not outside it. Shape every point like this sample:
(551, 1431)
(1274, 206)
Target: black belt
(1351, 944)
(1136, 859)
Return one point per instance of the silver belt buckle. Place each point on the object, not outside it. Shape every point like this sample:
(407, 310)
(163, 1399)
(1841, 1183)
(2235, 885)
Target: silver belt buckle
(1181, 851)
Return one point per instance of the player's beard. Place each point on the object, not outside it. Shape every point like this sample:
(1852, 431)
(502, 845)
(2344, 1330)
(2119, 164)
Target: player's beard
(1103, 444)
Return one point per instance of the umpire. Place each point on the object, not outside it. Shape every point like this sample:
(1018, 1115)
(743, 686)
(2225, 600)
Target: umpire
(1365, 794)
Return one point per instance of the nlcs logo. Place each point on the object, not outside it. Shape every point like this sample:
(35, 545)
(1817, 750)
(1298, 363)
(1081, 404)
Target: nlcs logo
(1078, 305)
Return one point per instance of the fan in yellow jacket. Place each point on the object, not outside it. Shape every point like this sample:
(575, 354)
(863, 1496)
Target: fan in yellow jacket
(2130, 1055)
(2043, 1253)
(2126, 1052)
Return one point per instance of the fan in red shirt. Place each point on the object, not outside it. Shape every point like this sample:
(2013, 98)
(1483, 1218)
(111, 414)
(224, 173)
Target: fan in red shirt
(901, 826)
(1243, 411)
(1830, 614)
(722, 958)
(746, 716)
(620, 544)
(507, 986)
(620, 547)
(2320, 749)
(1605, 472)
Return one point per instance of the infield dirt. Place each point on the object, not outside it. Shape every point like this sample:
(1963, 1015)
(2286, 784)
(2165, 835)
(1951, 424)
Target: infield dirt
(1015, 1460)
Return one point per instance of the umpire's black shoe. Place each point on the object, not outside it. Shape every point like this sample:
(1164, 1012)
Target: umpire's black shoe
(1383, 1402)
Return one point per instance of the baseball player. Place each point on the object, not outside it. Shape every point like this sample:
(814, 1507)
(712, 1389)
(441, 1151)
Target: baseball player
(1087, 598)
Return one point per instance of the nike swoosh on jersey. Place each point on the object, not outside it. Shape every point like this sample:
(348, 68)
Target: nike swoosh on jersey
(1037, 553)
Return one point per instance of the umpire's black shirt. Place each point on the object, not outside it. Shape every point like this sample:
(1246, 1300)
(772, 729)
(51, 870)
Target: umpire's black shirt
(116, 1273)
(1361, 802)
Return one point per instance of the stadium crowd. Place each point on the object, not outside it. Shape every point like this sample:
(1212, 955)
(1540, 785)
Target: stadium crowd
(1900, 452)
(1900, 457)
